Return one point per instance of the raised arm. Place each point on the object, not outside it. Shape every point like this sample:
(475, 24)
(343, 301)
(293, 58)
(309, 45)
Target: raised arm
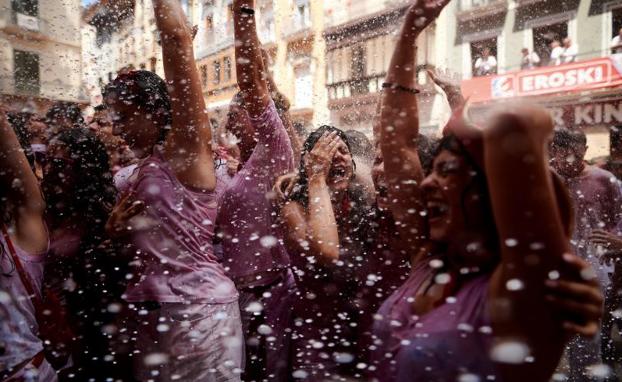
(532, 238)
(449, 87)
(399, 122)
(188, 145)
(249, 64)
(23, 201)
(282, 105)
(315, 230)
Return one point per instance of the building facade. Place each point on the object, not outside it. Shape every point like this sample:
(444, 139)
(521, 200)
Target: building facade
(506, 27)
(40, 57)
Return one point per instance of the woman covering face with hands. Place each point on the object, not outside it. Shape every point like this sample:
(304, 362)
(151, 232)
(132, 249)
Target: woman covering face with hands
(325, 219)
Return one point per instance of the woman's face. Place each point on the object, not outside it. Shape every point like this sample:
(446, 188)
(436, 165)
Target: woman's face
(450, 195)
(59, 176)
(239, 124)
(341, 169)
(134, 125)
(380, 182)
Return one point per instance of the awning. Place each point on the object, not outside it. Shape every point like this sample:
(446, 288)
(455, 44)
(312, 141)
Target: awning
(597, 74)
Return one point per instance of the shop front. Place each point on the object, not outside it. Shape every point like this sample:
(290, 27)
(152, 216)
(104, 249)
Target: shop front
(583, 95)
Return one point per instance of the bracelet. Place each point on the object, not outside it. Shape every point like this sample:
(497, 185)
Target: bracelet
(389, 85)
(247, 10)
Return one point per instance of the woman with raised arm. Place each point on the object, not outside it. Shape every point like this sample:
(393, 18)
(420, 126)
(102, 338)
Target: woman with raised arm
(188, 316)
(23, 244)
(252, 251)
(255, 258)
(491, 228)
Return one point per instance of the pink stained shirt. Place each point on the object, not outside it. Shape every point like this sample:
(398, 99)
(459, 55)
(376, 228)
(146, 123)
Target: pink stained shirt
(19, 327)
(252, 245)
(597, 199)
(173, 241)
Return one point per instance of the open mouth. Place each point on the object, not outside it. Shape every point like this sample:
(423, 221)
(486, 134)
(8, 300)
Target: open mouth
(337, 173)
(436, 210)
(382, 191)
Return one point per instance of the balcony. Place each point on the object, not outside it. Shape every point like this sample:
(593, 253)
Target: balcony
(351, 88)
(30, 27)
(476, 9)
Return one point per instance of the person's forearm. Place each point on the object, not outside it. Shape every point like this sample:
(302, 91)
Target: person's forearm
(190, 128)
(323, 232)
(399, 130)
(249, 61)
(17, 181)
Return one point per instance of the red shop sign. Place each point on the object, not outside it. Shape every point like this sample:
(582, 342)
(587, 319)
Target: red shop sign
(569, 78)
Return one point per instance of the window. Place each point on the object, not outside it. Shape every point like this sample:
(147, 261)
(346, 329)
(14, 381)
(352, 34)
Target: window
(209, 23)
(154, 62)
(26, 7)
(26, 72)
(616, 21)
(359, 85)
(229, 20)
(544, 36)
(204, 75)
(303, 87)
(303, 16)
(227, 68)
(489, 62)
(216, 69)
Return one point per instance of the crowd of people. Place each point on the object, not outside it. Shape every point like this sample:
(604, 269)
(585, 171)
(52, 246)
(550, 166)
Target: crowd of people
(147, 246)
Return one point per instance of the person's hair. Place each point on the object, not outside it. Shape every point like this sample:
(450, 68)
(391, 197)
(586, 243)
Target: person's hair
(566, 138)
(19, 122)
(478, 182)
(93, 194)
(361, 145)
(101, 107)
(427, 148)
(64, 110)
(301, 190)
(146, 90)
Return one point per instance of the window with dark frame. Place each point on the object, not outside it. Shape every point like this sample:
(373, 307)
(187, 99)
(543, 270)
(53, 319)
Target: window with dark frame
(26, 72)
(477, 47)
(359, 85)
(203, 70)
(544, 36)
(26, 7)
(616, 21)
(227, 68)
(216, 71)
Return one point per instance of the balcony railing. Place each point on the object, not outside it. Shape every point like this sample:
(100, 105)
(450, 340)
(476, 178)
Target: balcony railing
(355, 87)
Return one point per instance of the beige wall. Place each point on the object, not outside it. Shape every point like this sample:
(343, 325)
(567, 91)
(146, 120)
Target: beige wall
(57, 43)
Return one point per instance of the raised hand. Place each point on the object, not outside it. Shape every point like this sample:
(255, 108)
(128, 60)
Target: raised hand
(426, 11)
(118, 224)
(607, 240)
(283, 188)
(318, 160)
(580, 303)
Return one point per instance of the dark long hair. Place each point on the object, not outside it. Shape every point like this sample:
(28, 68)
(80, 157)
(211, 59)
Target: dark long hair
(93, 194)
(146, 90)
(301, 190)
(478, 182)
